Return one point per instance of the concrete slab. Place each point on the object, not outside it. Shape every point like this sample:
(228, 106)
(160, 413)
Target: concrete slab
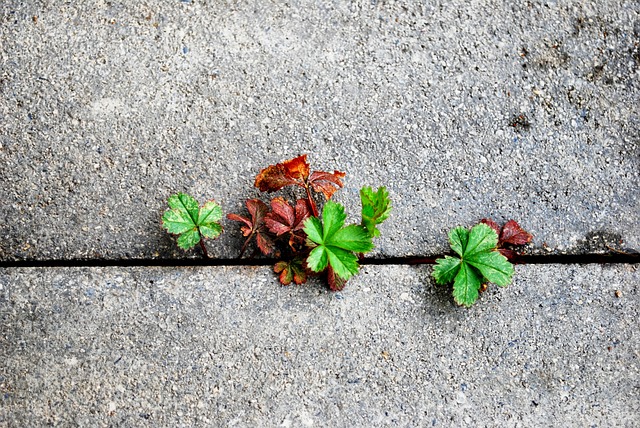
(228, 346)
(524, 110)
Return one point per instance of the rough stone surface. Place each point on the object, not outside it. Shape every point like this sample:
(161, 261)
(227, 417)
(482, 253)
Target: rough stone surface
(227, 346)
(109, 107)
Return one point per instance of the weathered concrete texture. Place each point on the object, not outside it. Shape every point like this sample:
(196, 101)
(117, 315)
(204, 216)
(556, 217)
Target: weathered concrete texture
(109, 107)
(228, 346)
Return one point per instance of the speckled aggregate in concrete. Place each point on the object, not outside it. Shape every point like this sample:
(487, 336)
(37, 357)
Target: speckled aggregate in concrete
(109, 107)
(228, 346)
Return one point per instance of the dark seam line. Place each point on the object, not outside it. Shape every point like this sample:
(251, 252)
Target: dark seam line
(610, 258)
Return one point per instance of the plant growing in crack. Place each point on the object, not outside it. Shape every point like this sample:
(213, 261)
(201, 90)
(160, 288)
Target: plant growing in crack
(305, 242)
(191, 222)
(481, 257)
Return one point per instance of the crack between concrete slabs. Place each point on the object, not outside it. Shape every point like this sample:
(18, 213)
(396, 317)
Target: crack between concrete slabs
(606, 258)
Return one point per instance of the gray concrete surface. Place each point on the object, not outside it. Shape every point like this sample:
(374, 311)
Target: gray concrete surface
(230, 347)
(109, 107)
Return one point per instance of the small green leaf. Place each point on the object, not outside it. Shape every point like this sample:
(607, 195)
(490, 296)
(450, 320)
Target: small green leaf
(189, 239)
(446, 269)
(466, 285)
(189, 221)
(209, 213)
(376, 207)
(313, 229)
(184, 203)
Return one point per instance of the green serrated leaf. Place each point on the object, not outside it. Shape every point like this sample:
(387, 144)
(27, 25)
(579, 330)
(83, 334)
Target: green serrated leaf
(494, 267)
(344, 263)
(177, 222)
(190, 222)
(481, 238)
(352, 238)
(318, 259)
(313, 229)
(189, 239)
(211, 230)
(458, 238)
(376, 207)
(479, 262)
(210, 212)
(184, 203)
(333, 217)
(334, 243)
(466, 285)
(446, 269)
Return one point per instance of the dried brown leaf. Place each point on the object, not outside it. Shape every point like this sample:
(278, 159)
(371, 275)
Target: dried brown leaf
(512, 233)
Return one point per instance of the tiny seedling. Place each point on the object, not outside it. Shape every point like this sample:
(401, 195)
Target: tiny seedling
(306, 243)
(191, 222)
(478, 262)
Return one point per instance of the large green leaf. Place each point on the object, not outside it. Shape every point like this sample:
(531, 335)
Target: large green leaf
(186, 219)
(334, 243)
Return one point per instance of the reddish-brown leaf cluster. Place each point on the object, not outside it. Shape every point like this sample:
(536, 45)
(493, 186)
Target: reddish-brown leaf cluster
(510, 234)
(256, 227)
(284, 219)
(283, 222)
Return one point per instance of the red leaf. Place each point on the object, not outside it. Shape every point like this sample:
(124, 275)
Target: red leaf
(509, 254)
(492, 224)
(285, 219)
(326, 182)
(289, 271)
(512, 233)
(266, 244)
(291, 172)
(246, 230)
(302, 213)
(256, 226)
(282, 217)
(335, 282)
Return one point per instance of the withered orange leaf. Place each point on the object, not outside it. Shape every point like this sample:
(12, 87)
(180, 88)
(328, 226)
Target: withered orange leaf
(291, 172)
(256, 226)
(326, 182)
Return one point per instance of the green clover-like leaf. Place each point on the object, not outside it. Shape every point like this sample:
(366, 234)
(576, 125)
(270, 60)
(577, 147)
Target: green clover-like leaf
(189, 221)
(333, 244)
(479, 262)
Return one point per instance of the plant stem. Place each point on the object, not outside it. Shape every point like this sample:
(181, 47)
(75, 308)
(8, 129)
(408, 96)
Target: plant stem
(244, 247)
(312, 203)
(204, 249)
